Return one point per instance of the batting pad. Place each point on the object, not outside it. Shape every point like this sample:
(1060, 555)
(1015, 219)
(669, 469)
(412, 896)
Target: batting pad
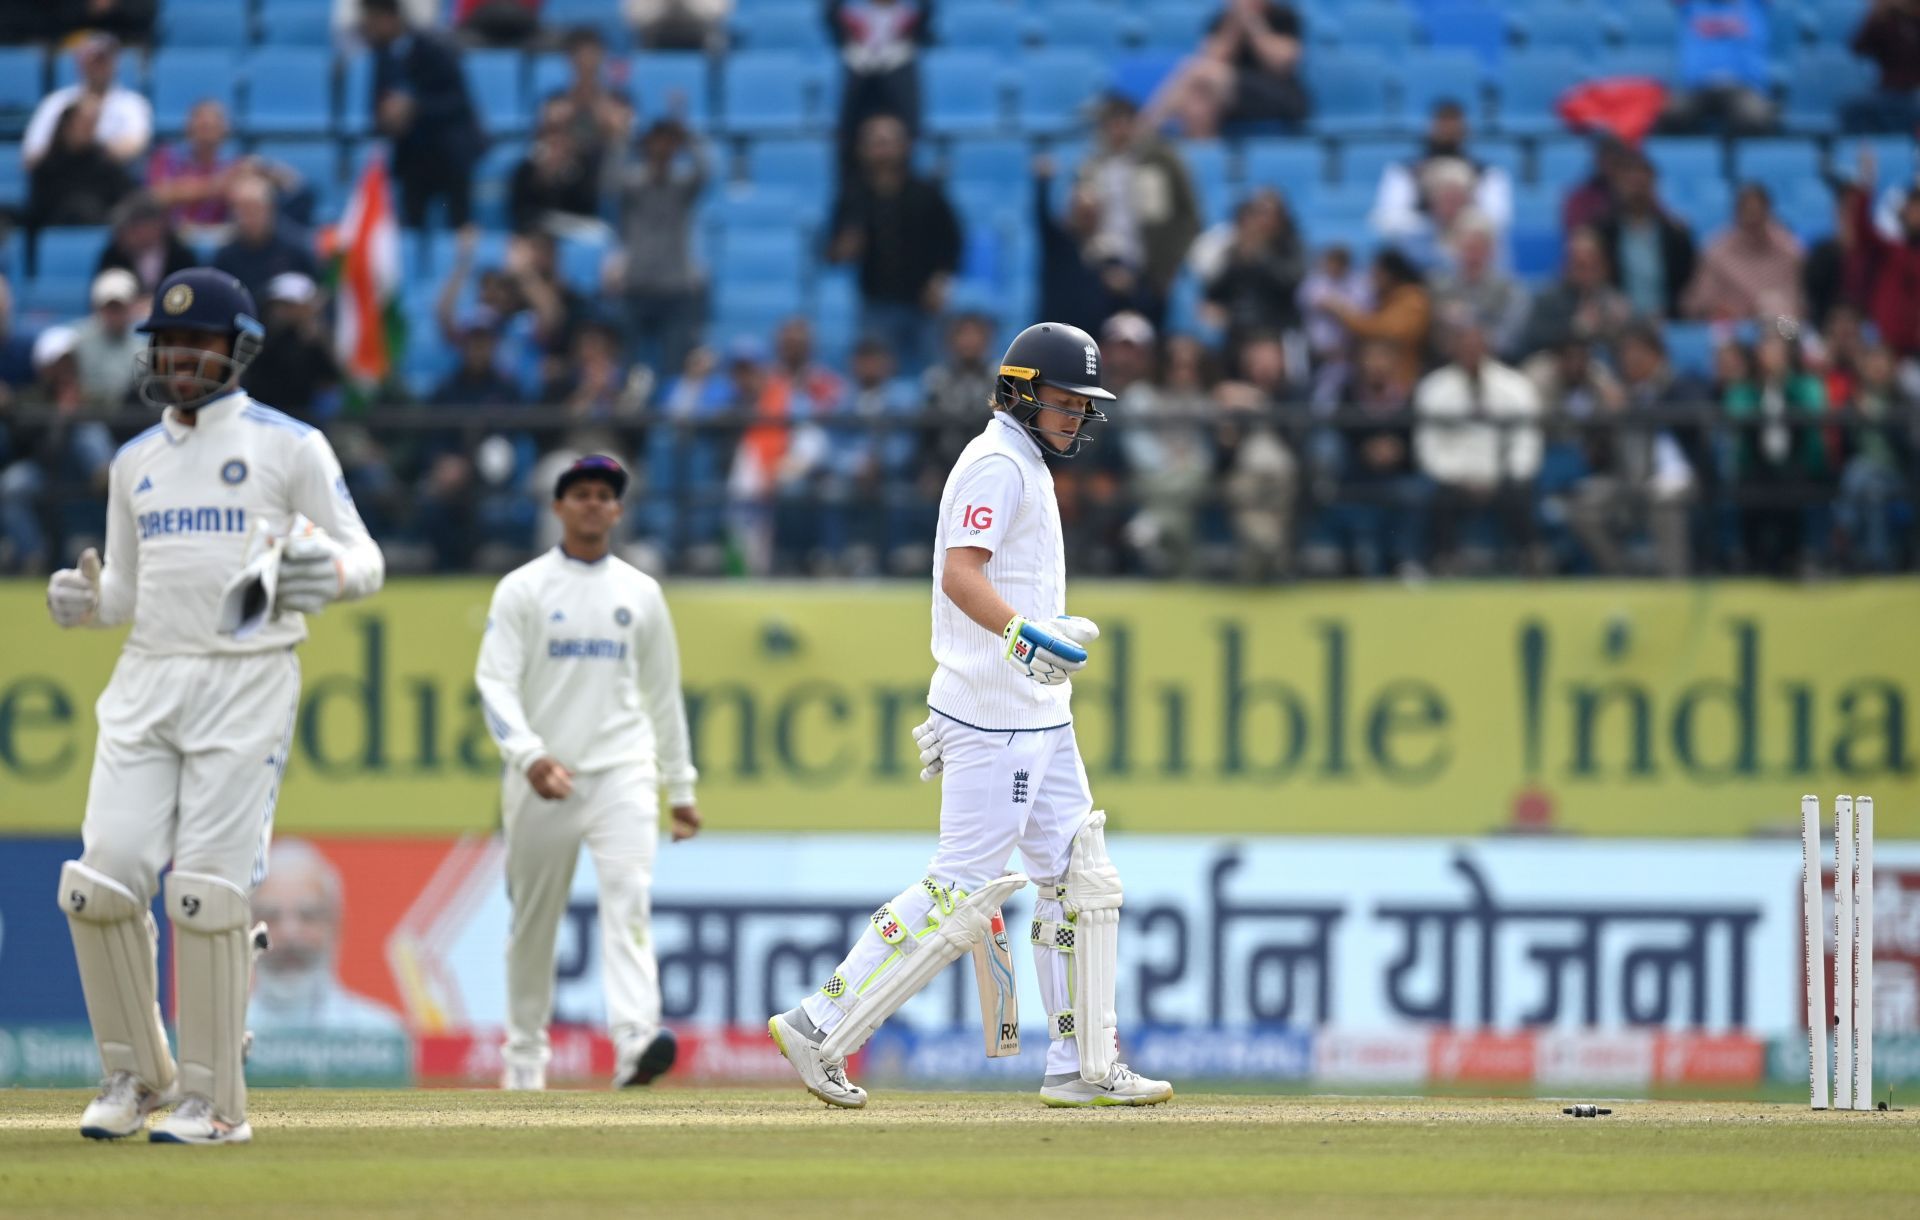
(1093, 900)
(114, 942)
(211, 915)
(955, 933)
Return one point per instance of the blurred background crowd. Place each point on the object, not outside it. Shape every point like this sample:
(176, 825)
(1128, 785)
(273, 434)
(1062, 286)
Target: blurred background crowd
(1385, 287)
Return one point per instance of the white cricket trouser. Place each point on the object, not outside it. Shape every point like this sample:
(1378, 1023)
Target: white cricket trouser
(187, 766)
(616, 813)
(998, 791)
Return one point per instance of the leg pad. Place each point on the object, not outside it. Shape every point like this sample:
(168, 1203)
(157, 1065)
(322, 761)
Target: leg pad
(211, 915)
(114, 943)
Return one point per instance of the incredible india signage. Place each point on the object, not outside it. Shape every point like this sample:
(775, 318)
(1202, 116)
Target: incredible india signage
(1607, 709)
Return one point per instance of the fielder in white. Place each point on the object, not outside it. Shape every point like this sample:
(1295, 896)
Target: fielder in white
(1001, 737)
(195, 725)
(580, 677)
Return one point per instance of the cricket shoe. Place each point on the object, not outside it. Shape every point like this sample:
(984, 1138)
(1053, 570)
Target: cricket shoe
(121, 1109)
(1122, 1087)
(645, 1062)
(194, 1122)
(825, 1078)
(524, 1077)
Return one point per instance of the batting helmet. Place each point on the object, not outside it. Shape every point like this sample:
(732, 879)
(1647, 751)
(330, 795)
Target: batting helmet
(1055, 354)
(205, 301)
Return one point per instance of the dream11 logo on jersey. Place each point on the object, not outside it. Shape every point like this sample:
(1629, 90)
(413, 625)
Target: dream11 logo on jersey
(977, 519)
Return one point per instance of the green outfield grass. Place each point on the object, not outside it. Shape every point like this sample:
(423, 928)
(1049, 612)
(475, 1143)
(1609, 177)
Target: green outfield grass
(777, 1154)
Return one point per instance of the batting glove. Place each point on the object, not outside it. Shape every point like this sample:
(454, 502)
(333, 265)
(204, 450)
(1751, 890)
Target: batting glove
(310, 572)
(1049, 651)
(927, 737)
(74, 594)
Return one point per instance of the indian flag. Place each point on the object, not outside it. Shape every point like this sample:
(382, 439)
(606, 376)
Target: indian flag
(365, 251)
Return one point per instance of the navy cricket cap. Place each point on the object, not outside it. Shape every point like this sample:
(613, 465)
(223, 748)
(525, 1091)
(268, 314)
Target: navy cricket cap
(593, 466)
(204, 299)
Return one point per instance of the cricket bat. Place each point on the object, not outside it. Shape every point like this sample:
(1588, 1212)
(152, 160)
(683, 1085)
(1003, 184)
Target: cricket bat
(999, 998)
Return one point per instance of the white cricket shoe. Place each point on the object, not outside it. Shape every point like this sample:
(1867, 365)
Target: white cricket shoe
(641, 1063)
(524, 1077)
(194, 1122)
(1122, 1087)
(825, 1078)
(121, 1108)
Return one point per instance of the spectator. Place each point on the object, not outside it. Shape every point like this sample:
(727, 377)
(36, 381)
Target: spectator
(598, 117)
(1479, 442)
(104, 344)
(1246, 72)
(665, 292)
(1169, 456)
(811, 388)
(1255, 471)
(594, 383)
(497, 23)
(679, 25)
(901, 232)
(1724, 69)
(528, 316)
(1400, 314)
(1379, 523)
(1334, 278)
(1636, 474)
(864, 520)
(1888, 270)
(144, 243)
(1591, 201)
(127, 20)
(69, 448)
(1475, 283)
(116, 118)
(421, 14)
(1750, 271)
(296, 371)
(760, 456)
(191, 177)
(1874, 487)
(263, 245)
(1147, 208)
(1581, 304)
(476, 380)
(1257, 281)
(956, 392)
(554, 187)
(1780, 460)
(75, 181)
(420, 104)
(1649, 253)
(1421, 199)
(686, 467)
(1083, 280)
(1889, 35)
(879, 43)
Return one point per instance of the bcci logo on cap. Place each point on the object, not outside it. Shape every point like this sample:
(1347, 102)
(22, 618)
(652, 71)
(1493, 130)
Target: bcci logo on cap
(178, 300)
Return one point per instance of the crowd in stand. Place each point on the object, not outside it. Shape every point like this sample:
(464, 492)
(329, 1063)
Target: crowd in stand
(1286, 407)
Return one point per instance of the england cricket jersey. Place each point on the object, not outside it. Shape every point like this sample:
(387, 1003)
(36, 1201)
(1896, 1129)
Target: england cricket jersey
(1000, 498)
(579, 664)
(182, 503)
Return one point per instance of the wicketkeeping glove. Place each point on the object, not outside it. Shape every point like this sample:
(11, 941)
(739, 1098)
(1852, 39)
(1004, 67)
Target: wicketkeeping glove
(1050, 650)
(73, 594)
(310, 572)
(927, 737)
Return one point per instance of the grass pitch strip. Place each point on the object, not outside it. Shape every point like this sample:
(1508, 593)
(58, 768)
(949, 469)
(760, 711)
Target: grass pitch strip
(685, 1152)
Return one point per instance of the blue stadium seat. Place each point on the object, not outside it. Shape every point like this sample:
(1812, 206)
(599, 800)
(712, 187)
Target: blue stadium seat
(1002, 164)
(979, 26)
(1780, 164)
(770, 91)
(1534, 251)
(1474, 28)
(579, 260)
(494, 84)
(1563, 164)
(493, 180)
(183, 77)
(316, 161)
(203, 23)
(54, 298)
(129, 71)
(356, 94)
(803, 167)
(69, 252)
(752, 207)
(1897, 159)
(659, 77)
(1660, 63)
(595, 14)
(1706, 204)
(1681, 158)
(1648, 23)
(1378, 27)
(1101, 28)
(1294, 166)
(1351, 91)
(1570, 26)
(1176, 25)
(21, 87)
(1054, 85)
(1432, 76)
(295, 23)
(1690, 347)
(1208, 167)
(1350, 200)
(754, 307)
(1807, 208)
(1819, 80)
(796, 27)
(964, 91)
(13, 183)
(1362, 160)
(1529, 87)
(289, 89)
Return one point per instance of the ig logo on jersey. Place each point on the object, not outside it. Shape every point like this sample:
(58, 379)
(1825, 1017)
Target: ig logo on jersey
(234, 472)
(978, 518)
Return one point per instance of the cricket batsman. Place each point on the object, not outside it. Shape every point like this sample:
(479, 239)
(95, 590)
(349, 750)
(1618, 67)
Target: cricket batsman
(580, 677)
(195, 724)
(1001, 737)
